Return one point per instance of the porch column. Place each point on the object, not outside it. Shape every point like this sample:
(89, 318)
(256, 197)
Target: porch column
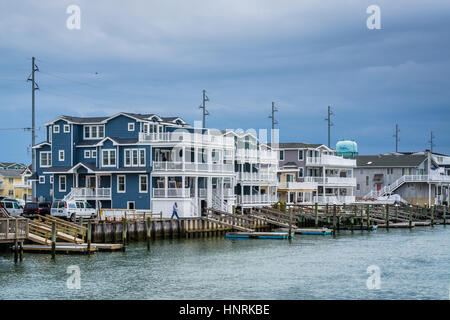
(183, 158)
(166, 182)
(209, 192)
(183, 181)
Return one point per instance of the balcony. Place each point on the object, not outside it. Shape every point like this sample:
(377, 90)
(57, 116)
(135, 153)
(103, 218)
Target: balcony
(257, 176)
(332, 181)
(334, 199)
(192, 166)
(186, 137)
(257, 199)
(89, 194)
(307, 185)
(171, 193)
(330, 161)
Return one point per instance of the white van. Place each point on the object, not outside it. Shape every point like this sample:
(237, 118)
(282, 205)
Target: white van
(72, 210)
(12, 206)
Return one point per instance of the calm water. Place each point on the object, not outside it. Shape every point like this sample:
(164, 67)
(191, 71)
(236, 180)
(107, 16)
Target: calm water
(414, 265)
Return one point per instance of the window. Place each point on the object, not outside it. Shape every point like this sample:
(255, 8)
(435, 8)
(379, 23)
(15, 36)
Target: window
(300, 172)
(94, 154)
(134, 157)
(66, 128)
(358, 187)
(61, 155)
(94, 132)
(289, 177)
(300, 154)
(130, 205)
(10, 180)
(41, 179)
(143, 183)
(131, 126)
(367, 180)
(62, 183)
(45, 159)
(361, 171)
(51, 179)
(281, 155)
(55, 128)
(87, 154)
(109, 158)
(121, 181)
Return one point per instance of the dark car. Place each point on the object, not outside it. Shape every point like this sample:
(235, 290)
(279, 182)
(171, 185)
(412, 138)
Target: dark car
(33, 209)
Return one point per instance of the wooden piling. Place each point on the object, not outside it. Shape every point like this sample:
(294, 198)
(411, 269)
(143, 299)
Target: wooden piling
(149, 226)
(396, 213)
(432, 214)
(21, 251)
(316, 211)
(368, 217)
(124, 232)
(53, 251)
(334, 219)
(444, 213)
(290, 222)
(387, 216)
(16, 251)
(410, 217)
(89, 236)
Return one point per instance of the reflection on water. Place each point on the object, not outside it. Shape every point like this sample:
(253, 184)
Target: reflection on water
(414, 265)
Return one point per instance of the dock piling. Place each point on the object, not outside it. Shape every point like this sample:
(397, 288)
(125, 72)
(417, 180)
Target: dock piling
(124, 232)
(53, 251)
(387, 216)
(410, 216)
(89, 236)
(149, 226)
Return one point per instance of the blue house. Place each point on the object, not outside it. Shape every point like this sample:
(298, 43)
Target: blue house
(144, 161)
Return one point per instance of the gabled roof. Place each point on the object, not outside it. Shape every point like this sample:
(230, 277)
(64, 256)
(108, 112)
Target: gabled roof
(290, 164)
(41, 144)
(99, 120)
(390, 160)
(11, 173)
(79, 120)
(297, 145)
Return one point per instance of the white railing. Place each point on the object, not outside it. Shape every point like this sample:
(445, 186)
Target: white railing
(257, 199)
(202, 193)
(298, 185)
(171, 193)
(89, 194)
(257, 176)
(332, 181)
(192, 166)
(334, 199)
(330, 160)
(407, 178)
(187, 137)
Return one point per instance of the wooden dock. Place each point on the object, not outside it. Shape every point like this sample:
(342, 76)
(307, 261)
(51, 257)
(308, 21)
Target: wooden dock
(73, 248)
(259, 235)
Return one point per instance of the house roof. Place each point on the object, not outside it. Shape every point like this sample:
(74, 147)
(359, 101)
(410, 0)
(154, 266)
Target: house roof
(91, 167)
(290, 163)
(137, 116)
(390, 160)
(296, 145)
(11, 173)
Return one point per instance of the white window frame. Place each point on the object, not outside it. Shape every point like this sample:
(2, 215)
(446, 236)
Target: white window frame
(87, 154)
(109, 164)
(97, 136)
(51, 179)
(65, 184)
(124, 183)
(131, 126)
(56, 128)
(61, 152)
(146, 183)
(94, 154)
(131, 162)
(281, 152)
(66, 128)
(298, 173)
(41, 179)
(128, 205)
(300, 152)
(49, 159)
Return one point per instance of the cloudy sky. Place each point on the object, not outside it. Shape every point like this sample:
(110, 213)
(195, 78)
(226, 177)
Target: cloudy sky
(158, 56)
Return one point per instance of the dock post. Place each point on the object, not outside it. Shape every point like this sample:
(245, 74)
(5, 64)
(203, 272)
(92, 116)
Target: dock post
(21, 251)
(53, 239)
(148, 232)
(124, 232)
(16, 251)
(368, 217)
(410, 216)
(444, 208)
(352, 219)
(396, 213)
(432, 214)
(334, 219)
(316, 211)
(89, 236)
(290, 222)
(387, 216)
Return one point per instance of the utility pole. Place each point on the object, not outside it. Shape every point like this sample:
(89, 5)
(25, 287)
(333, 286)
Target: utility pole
(34, 87)
(431, 141)
(330, 124)
(397, 139)
(274, 122)
(203, 106)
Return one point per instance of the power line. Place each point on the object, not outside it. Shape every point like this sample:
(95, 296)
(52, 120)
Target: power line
(203, 106)
(397, 139)
(330, 124)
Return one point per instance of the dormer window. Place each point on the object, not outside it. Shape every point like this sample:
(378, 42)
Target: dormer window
(66, 128)
(56, 128)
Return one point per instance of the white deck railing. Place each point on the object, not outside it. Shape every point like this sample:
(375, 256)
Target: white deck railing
(89, 194)
(330, 160)
(257, 199)
(192, 166)
(171, 193)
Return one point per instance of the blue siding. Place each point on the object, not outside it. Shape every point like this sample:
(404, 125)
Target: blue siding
(141, 200)
(69, 185)
(118, 128)
(42, 190)
(61, 141)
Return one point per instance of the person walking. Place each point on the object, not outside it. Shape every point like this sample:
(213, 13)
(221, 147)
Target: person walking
(175, 211)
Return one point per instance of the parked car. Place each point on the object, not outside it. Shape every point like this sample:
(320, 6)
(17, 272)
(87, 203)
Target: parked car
(71, 210)
(33, 209)
(12, 206)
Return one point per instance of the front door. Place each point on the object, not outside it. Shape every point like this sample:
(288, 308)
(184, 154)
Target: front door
(90, 181)
(378, 188)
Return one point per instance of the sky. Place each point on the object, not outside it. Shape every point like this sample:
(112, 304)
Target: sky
(157, 57)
